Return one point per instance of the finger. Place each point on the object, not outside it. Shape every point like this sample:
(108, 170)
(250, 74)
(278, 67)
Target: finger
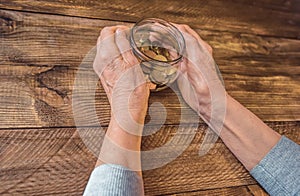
(182, 68)
(196, 55)
(193, 41)
(107, 50)
(122, 41)
(185, 29)
(191, 50)
(188, 91)
(199, 39)
(189, 38)
(122, 34)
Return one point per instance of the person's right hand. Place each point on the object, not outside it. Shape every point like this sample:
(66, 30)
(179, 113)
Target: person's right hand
(199, 82)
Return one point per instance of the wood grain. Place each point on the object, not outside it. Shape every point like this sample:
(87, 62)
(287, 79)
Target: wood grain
(276, 18)
(232, 191)
(40, 57)
(256, 45)
(56, 161)
(257, 190)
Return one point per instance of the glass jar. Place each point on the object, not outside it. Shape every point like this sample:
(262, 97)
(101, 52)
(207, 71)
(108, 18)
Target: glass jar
(159, 45)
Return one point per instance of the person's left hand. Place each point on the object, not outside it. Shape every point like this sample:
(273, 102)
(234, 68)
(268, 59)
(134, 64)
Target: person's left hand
(121, 77)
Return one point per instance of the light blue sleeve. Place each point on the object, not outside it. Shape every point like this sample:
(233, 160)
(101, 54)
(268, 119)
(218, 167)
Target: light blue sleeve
(114, 180)
(279, 171)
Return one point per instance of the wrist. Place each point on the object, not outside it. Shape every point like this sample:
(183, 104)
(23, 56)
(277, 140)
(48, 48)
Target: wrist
(244, 133)
(120, 147)
(213, 109)
(130, 125)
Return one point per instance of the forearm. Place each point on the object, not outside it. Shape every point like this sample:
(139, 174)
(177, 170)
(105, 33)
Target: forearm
(121, 147)
(248, 138)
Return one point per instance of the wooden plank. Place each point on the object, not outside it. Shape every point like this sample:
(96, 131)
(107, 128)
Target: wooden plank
(251, 190)
(257, 190)
(232, 191)
(56, 161)
(50, 162)
(40, 55)
(199, 170)
(279, 18)
(292, 6)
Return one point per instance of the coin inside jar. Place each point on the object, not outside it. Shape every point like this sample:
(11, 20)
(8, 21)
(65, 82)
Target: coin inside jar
(159, 47)
(159, 74)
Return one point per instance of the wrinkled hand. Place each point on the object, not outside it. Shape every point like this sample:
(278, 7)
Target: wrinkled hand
(199, 82)
(121, 77)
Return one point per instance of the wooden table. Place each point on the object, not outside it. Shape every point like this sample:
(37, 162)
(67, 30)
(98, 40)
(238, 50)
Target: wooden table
(256, 45)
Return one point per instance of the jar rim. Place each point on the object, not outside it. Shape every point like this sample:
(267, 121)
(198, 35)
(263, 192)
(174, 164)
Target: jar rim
(165, 23)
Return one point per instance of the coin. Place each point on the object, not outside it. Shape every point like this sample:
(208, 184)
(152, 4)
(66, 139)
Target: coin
(160, 58)
(158, 72)
(152, 86)
(150, 54)
(158, 77)
(166, 53)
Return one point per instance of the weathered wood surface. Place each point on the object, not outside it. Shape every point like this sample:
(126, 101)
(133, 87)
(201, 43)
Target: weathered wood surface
(278, 18)
(40, 55)
(256, 44)
(257, 190)
(56, 161)
(232, 191)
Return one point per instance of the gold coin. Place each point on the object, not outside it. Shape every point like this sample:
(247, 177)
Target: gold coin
(166, 53)
(160, 58)
(150, 54)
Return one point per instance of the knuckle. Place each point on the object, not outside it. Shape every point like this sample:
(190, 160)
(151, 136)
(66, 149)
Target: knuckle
(122, 27)
(186, 26)
(191, 39)
(209, 48)
(181, 28)
(104, 29)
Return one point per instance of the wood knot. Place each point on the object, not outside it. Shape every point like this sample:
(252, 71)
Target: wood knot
(9, 21)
